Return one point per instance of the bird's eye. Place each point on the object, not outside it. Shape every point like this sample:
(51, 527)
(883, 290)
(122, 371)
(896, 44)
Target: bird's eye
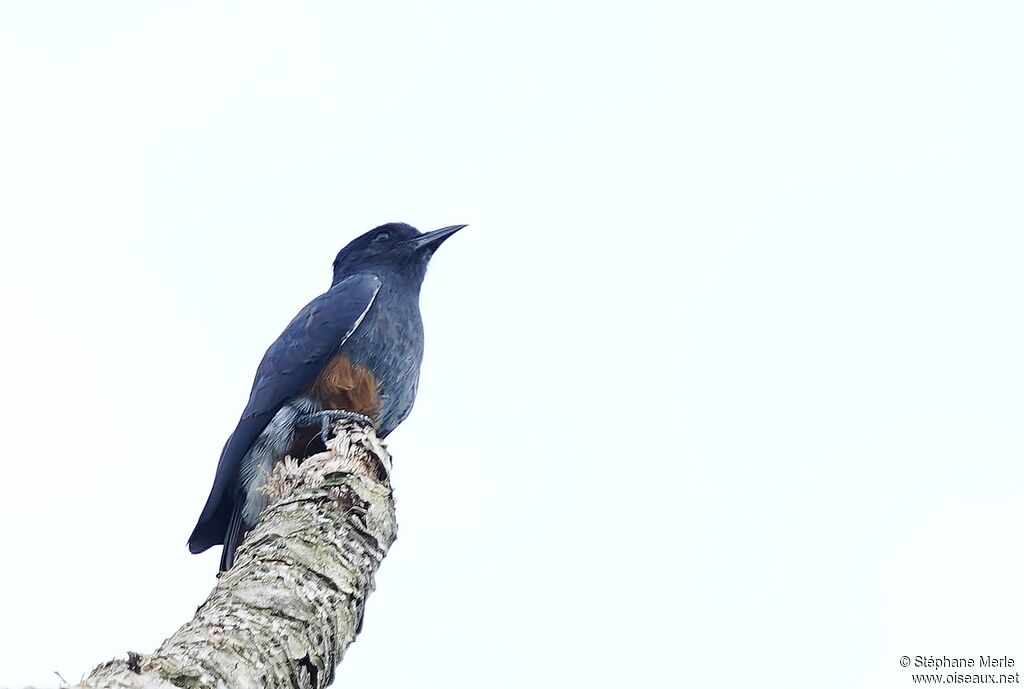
(382, 237)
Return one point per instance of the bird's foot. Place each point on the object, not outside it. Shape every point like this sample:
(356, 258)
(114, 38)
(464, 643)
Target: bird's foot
(328, 416)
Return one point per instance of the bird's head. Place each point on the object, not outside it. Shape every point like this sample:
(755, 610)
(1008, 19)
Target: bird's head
(392, 250)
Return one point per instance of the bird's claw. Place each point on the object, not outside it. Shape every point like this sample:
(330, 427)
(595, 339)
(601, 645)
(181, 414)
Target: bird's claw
(327, 416)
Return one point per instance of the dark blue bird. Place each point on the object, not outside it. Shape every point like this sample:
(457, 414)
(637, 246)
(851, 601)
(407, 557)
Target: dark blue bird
(354, 350)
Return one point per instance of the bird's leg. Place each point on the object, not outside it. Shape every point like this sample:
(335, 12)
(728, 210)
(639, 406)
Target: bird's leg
(326, 416)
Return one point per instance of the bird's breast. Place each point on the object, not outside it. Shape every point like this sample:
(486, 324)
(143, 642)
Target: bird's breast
(389, 344)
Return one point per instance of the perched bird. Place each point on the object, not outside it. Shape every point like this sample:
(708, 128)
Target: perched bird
(354, 351)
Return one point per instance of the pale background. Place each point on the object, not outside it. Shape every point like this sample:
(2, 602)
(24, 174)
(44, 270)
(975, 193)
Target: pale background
(723, 385)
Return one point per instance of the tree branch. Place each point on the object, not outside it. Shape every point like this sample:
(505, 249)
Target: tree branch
(293, 602)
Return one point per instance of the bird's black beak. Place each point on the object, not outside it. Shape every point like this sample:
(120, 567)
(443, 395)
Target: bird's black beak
(431, 240)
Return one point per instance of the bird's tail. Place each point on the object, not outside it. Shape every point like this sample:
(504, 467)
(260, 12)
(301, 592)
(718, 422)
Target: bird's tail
(234, 535)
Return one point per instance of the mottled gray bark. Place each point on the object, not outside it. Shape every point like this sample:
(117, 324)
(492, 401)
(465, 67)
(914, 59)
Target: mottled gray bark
(293, 602)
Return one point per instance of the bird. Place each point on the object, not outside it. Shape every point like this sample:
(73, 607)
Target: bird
(353, 352)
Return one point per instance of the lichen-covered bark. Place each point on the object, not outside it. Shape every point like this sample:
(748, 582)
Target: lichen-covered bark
(293, 602)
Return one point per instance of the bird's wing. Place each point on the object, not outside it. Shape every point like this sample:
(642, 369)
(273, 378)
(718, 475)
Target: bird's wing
(291, 363)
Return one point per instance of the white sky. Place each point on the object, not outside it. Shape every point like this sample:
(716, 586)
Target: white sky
(723, 385)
